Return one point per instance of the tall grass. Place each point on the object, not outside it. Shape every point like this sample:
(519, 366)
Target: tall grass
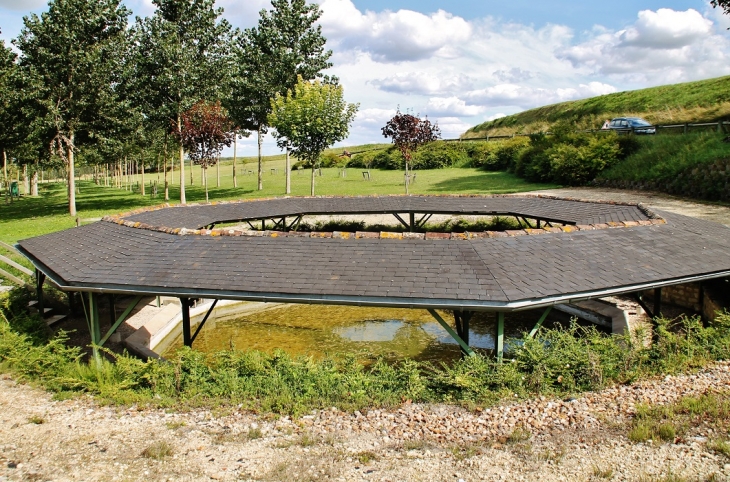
(664, 157)
(557, 362)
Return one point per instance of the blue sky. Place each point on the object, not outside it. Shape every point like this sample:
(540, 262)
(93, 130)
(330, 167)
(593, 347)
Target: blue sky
(462, 63)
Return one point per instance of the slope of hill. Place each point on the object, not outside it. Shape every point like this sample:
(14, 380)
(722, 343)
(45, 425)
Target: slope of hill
(701, 101)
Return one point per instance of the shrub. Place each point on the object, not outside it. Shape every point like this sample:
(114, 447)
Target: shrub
(440, 154)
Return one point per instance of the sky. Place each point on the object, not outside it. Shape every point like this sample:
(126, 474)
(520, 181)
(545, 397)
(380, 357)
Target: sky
(464, 62)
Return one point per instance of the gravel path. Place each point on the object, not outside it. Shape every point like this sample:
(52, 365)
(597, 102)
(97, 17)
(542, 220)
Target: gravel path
(582, 439)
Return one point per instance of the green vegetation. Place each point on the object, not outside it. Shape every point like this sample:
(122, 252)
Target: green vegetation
(694, 165)
(158, 450)
(690, 414)
(701, 101)
(558, 363)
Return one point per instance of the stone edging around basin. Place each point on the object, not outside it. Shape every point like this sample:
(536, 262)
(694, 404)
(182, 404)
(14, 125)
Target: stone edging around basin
(120, 219)
(150, 340)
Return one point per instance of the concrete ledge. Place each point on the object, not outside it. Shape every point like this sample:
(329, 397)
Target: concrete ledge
(165, 327)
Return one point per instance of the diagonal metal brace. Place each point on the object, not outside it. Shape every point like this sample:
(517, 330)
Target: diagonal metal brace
(403, 222)
(540, 321)
(200, 326)
(120, 320)
(451, 332)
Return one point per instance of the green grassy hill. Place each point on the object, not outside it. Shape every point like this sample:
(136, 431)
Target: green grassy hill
(701, 101)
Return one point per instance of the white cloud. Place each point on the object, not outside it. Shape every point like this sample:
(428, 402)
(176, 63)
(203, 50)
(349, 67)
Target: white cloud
(423, 83)
(451, 107)
(661, 47)
(451, 127)
(389, 36)
(23, 5)
(666, 29)
(527, 97)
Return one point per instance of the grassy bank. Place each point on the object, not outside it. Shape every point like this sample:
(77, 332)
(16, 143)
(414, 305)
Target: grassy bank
(558, 362)
(701, 101)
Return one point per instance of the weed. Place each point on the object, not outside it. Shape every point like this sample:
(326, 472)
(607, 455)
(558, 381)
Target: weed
(175, 424)
(466, 451)
(667, 422)
(36, 419)
(306, 440)
(366, 457)
(254, 433)
(158, 450)
(603, 473)
(552, 455)
(518, 435)
(415, 445)
(719, 446)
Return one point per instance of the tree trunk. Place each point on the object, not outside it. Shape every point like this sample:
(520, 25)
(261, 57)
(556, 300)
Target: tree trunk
(218, 171)
(141, 190)
(26, 186)
(71, 177)
(164, 162)
(261, 161)
(191, 172)
(288, 172)
(406, 177)
(182, 164)
(204, 170)
(235, 141)
(6, 184)
(34, 183)
(312, 187)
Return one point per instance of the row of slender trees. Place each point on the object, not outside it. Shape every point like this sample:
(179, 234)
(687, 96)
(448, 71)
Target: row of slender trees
(88, 82)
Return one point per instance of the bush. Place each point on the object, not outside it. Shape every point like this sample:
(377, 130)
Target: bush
(440, 154)
(497, 155)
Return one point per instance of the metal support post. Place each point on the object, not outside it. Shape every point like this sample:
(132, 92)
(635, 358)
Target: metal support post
(657, 302)
(112, 309)
(202, 323)
(40, 278)
(461, 320)
(187, 339)
(412, 222)
(115, 323)
(464, 347)
(540, 321)
(94, 329)
(499, 339)
(72, 302)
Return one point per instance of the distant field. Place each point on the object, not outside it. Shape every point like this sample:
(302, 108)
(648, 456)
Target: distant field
(701, 101)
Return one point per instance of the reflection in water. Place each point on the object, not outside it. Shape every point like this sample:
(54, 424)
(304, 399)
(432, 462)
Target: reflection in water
(366, 332)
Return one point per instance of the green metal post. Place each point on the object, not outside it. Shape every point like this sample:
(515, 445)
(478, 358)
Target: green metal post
(94, 329)
(499, 339)
(540, 322)
(464, 347)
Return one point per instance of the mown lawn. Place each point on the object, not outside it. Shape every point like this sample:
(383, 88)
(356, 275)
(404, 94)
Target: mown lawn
(49, 212)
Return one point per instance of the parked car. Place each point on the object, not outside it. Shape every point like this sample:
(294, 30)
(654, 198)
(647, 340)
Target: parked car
(637, 125)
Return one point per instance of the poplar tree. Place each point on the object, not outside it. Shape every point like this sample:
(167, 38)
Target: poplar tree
(69, 55)
(310, 118)
(286, 44)
(182, 56)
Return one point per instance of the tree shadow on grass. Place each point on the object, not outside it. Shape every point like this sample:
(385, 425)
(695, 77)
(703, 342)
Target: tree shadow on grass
(487, 183)
(91, 198)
